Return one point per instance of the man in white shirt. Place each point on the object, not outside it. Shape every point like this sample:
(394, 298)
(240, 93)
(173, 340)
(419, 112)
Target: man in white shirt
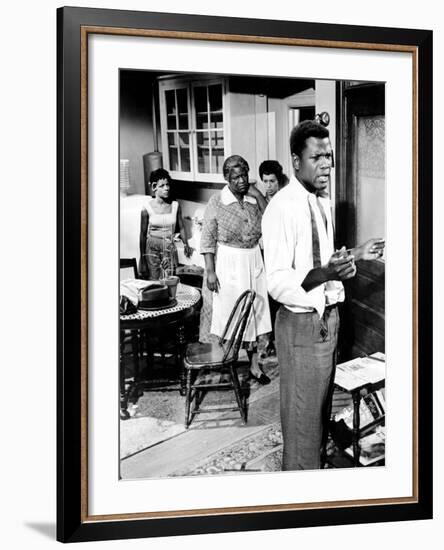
(304, 274)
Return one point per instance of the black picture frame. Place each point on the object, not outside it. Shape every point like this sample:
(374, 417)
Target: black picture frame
(73, 522)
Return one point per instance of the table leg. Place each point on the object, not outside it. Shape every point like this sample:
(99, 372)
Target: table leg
(356, 426)
(187, 399)
(134, 389)
(181, 341)
(124, 414)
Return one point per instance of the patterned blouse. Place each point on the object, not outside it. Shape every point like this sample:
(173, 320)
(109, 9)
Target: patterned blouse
(228, 222)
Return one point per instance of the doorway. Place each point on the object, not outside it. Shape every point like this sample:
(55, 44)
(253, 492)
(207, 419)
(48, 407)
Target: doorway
(361, 212)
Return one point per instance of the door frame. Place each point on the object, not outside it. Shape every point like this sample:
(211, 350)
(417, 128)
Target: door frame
(351, 102)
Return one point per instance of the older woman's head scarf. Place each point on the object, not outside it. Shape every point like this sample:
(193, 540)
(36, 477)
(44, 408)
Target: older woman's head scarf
(233, 162)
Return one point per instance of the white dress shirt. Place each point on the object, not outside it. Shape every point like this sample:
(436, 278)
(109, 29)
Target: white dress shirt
(288, 249)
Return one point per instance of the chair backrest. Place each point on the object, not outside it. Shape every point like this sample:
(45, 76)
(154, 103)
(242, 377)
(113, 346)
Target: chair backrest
(129, 263)
(192, 279)
(237, 323)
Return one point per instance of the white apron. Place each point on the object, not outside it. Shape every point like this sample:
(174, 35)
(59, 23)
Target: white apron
(240, 269)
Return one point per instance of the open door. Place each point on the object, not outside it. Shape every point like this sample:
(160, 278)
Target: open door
(361, 212)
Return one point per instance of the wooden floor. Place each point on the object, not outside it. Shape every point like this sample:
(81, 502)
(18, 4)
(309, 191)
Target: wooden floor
(201, 448)
(204, 438)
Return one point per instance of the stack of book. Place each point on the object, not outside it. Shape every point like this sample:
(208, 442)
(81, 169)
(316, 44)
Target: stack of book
(372, 447)
(360, 371)
(371, 409)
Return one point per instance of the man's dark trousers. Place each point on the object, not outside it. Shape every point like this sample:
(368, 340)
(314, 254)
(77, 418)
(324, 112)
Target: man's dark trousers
(306, 350)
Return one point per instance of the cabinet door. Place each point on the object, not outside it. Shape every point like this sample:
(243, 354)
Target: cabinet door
(209, 130)
(175, 115)
(194, 128)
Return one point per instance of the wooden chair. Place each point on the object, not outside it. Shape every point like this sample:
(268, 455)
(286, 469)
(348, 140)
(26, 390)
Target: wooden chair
(128, 263)
(132, 337)
(221, 356)
(192, 279)
(192, 327)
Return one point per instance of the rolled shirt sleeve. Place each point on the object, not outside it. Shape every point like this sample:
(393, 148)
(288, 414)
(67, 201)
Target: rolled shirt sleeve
(208, 238)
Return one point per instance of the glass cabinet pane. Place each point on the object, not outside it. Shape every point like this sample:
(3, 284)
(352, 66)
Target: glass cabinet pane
(217, 140)
(184, 146)
(200, 100)
(183, 122)
(170, 98)
(217, 160)
(172, 139)
(171, 122)
(182, 101)
(184, 139)
(217, 152)
(203, 152)
(172, 151)
(215, 97)
(174, 160)
(217, 121)
(182, 106)
(215, 106)
(201, 121)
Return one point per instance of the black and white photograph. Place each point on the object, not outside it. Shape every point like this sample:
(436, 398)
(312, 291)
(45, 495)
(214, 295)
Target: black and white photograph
(252, 274)
(243, 212)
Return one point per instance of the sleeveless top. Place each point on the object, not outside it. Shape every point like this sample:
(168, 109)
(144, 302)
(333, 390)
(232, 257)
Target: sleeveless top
(161, 225)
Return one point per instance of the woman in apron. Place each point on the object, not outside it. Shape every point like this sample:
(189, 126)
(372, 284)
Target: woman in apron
(233, 261)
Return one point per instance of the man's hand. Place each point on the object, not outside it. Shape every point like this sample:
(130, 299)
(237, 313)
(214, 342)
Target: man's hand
(341, 266)
(373, 249)
(212, 281)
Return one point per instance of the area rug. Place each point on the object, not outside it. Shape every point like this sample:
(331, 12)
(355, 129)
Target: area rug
(262, 451)
(159, 413)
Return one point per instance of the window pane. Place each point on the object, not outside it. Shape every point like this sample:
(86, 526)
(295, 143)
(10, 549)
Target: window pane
(200, 99)
(182, 101)
(217, 160)
(217, 140)
(170, 98)
(203, 139)
(201, 121)
(171, 122)
(217, 152)
(184, 149)
(183, 122)
(171, 138)
(184, 139)
(174, 161)
(217, 121)
(185, 159)
(203, 152)
(215, 96)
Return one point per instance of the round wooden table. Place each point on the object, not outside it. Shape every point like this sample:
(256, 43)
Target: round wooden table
(169, 320)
